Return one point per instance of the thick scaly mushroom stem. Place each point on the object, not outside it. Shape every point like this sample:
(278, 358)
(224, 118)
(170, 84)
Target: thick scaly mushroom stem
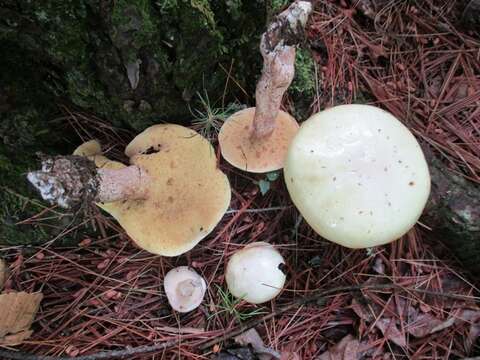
(74, 180)
(278, 51)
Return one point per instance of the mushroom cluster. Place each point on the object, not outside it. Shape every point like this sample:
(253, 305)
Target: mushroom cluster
(357, 175)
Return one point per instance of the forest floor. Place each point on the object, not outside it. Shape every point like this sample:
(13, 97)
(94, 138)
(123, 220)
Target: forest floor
(409, 299)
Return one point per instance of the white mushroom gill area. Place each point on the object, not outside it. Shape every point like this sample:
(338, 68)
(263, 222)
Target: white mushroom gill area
(357, 175)
(184, 288)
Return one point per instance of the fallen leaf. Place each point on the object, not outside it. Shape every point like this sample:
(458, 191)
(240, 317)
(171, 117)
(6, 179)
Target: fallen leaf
(17, 312)
(251, 337)
(390, 331)
(290, 355)
(243, 353)
(422, 325)
(426, 324)
(472, 336)
(346, 349)
(362, 311)
(379, 266)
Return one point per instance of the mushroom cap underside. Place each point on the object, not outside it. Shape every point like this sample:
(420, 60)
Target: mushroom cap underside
(184, 288)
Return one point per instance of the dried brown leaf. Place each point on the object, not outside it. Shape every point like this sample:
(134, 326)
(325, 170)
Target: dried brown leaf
(426, 324)
(362, 311)
(346, 349)
(252, 338)
(390, 331)
(17, 312)
(423, 325)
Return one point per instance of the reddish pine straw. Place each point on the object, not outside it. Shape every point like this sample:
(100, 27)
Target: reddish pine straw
(107, 294)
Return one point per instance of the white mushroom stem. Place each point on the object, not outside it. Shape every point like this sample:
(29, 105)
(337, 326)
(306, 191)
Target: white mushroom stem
(69, 181)
(277, 47)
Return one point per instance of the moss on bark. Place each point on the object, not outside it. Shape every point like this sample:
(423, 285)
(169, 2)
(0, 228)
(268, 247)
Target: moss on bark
(132, 62)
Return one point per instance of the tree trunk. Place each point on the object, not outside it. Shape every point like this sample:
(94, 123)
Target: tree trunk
(132, 62)
(453, 213)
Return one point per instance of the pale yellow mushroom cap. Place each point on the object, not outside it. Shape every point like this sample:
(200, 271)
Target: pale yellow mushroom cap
(259, 155)
(188, 195)
(357, 175)
(255, 273)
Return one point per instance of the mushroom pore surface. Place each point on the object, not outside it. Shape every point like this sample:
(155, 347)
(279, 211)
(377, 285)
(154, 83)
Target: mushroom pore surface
(255, 274)
(357, 175)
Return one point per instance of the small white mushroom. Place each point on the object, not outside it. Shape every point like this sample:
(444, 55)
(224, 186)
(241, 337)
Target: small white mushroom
(184, 289)
(357, 175)
(255, 273)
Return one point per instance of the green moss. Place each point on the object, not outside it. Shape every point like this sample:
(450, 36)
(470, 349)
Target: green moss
(132, 62)
(304, 80)
(303, 85)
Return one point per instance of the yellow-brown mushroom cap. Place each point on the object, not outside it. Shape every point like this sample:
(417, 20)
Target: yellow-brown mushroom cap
(89, 148)
(188, 195)
(256, 155)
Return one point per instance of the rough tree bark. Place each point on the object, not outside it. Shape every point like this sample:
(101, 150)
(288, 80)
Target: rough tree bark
(131, 62)
(453, 213)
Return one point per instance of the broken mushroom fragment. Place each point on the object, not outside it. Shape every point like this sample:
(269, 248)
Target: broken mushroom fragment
(169, 198)
(256, 139)
(184, 288)
(255, 273)
(357, 175)
(89, 148)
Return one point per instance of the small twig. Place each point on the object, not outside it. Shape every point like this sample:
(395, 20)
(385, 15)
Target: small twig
(274, 208)
(105, 355)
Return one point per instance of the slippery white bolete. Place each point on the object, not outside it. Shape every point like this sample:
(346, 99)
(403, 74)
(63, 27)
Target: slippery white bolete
(256, 139)
(255, 273)
(184, 288)
(169, 198)
(357, 175)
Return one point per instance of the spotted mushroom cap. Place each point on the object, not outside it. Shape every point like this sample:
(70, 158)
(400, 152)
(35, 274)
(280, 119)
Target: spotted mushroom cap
(188, 196)
(184, 288)
(260, 155)
(357, 175)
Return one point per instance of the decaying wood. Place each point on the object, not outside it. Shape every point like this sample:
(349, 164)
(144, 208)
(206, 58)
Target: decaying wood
(70, 181)
(277, 46)
(453, 213)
